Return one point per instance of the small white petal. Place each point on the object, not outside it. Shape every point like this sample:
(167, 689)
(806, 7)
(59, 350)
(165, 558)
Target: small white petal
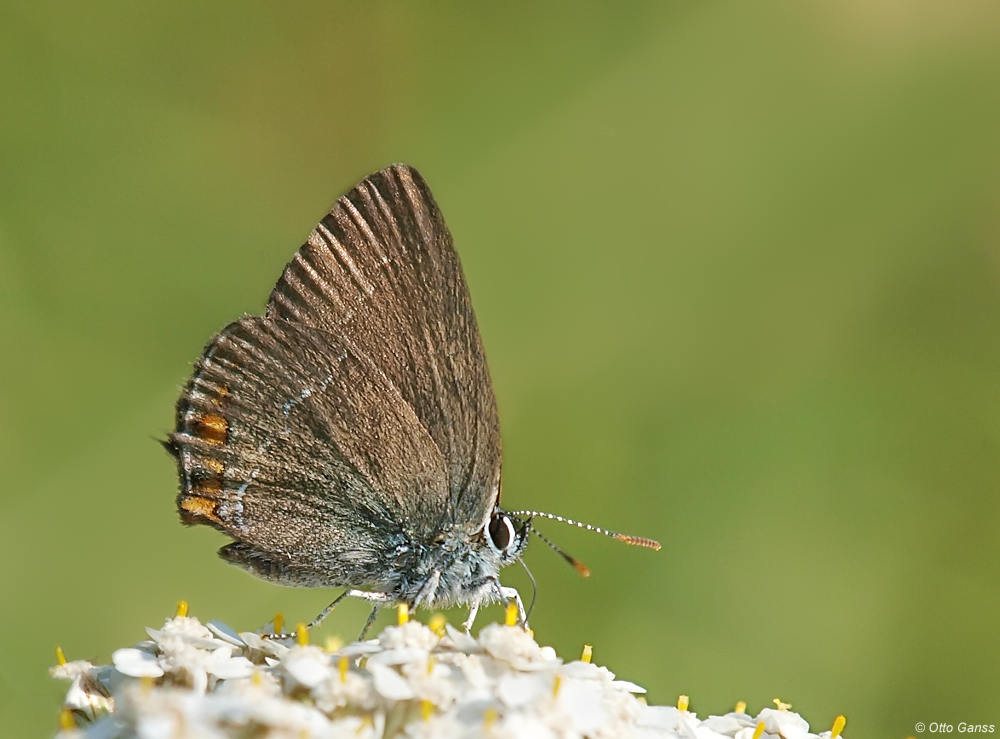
(463, 642)
(269, 647)
(628, 687)
(107, 728)
(524, 726)
(254, 641)
(582, 700)
(401, 656)
(225, 633)
(360, 649)
(389, 683)
(584, 671)
(105, 675)
(474, 671)
(199, 680)
(703, 732)
(748, 732)
(229, 668)
(728, 724)
(660, 717)
(307, 665)
(85, 695)
(788, 724)
(687, 726)
(516, 690)
(136, 663)
(70, 670)
(645, 732)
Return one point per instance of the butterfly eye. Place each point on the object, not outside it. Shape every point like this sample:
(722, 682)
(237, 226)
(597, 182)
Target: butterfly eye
(501, 532)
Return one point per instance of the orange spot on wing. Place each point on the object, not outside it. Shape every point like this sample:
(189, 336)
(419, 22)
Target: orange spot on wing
(210, 486)
(215, 465)
(222, 394)
(198, 506)
(212, 428)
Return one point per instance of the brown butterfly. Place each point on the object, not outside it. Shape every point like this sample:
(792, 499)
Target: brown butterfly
(349, 437)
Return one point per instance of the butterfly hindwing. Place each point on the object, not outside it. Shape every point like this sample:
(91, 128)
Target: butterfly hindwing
(293, 442)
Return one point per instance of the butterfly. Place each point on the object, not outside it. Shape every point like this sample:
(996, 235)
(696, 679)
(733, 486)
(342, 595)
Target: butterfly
(349, 437)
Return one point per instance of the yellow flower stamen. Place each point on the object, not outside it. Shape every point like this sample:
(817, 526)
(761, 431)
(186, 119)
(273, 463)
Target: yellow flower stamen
(741, 707)
(332, 643)
(556, 685)
(342, 665)
(430, 664)
(302, 635)
(490, 716)
(588, 653)
(510, 615)
(279, 623)
(437, 623)
(781, 706)
(66, 720)
(366, 722)
(182, 608)
(683, 702)
(759, 731)
(426, 709)
(60, 656)
(402, 614)
(838, 726)
(257, 677)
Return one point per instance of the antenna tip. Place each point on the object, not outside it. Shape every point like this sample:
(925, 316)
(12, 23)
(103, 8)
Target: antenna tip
(581, 568)
(639, 541)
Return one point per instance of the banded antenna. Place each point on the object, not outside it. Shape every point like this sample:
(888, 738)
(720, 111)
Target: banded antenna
(636, 541)
(577, 564)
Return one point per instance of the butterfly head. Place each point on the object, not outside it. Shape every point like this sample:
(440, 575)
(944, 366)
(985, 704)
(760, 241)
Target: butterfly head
(505, 535)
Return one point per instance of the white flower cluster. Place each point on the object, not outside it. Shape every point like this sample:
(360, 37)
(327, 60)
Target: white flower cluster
(195, 681)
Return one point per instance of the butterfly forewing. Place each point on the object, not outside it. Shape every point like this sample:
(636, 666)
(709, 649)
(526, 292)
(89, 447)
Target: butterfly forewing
(381, 269)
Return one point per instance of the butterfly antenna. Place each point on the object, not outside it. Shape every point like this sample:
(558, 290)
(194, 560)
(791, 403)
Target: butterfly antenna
(534, 590)
(636, 541)
(577, 564)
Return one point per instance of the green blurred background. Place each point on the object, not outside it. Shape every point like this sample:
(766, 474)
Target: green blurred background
(737, 270)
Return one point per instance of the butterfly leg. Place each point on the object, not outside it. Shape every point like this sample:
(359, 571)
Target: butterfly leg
(371, 619)
(511, 594)
(315, 622)
(473, 610)
(378, 599)
(326, 611)
(362, 594)
(506, 595)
